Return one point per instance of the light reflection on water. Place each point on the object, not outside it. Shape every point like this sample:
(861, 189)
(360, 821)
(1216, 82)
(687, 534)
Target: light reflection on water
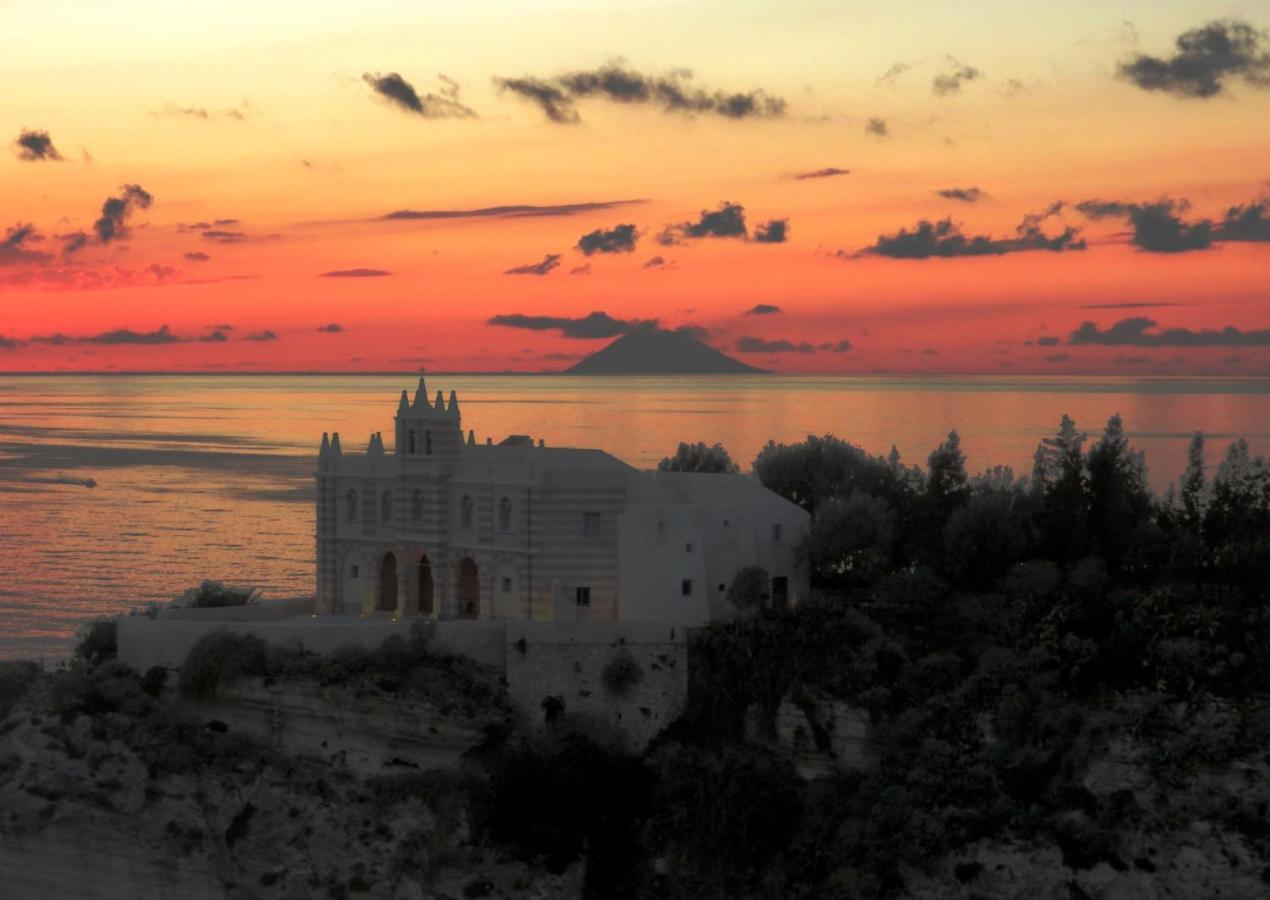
(211, 477)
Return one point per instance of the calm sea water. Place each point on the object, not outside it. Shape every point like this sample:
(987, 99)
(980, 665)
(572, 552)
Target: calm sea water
(211, 477)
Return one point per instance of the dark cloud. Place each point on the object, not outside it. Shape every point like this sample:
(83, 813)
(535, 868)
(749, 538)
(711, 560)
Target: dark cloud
(946, 239)
(516, 211)
(584, 269)
(1245, 223)
(216, 336)
(589, 327)
(15, 249)
(775, 231)
(951, 80)
(673, 92)
(331, 328)
(657, 262)
(196, 256)
(36, 146)
(1206, 58)
(842, 346)
(261, 336)
(551, 98)
(221, 236)
(1157, 227)
(355, 273)
(1057, 358)
(620, 239)
(1133, 360)
(549, 262)
(73, 242)
(116, 211)
(876, 127)
(828, 172)
(7, 343)
(1047, 341)
(1137, 332)
(763, 309)
(401, 93)
(726, 221)
(163, 335)
(965, 195)
(748, 344)
(1232, 360)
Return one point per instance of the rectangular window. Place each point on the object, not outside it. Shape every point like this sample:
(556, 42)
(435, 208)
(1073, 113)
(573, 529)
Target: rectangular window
(507, 585)
(688, 547)
(354, 572)
(776, 533)
(686, 587)
(583, 596)
(591, 525)
(722, 587)
(780, 591)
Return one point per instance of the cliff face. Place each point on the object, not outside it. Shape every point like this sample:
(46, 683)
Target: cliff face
(368, 733)
(150, 802)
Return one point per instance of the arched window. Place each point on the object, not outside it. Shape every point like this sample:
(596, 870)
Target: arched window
(505, 514)
(385, 507)
(351, 501)
(416, 505)
(411, 442)
(465, 512)
(427, 443)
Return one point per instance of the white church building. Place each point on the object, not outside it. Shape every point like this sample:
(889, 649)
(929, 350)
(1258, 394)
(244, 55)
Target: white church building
(447, 528)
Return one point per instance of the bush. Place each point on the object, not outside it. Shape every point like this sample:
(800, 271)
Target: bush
(98, 641)
(751, 588)
(15, 678)
(621, 673)
(219, 659)
(213, 594)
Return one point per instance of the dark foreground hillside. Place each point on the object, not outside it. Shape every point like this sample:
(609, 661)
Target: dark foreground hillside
(1055, 686)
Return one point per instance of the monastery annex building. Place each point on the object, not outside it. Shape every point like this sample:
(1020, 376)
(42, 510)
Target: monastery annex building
(447, 528)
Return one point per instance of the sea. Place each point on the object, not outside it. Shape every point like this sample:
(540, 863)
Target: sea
(120, 490)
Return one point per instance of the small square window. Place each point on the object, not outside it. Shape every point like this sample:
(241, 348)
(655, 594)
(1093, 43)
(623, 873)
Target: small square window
(776, 533)
(354, 572)
(591, 525)
(507, 585)
(583, 596)
(686, 587)
(722, 587)
(688, 547)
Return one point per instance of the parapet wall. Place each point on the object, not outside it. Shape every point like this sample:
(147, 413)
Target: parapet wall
(540, 660)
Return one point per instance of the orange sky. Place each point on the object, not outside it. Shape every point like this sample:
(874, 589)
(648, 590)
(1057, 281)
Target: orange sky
(259, 117)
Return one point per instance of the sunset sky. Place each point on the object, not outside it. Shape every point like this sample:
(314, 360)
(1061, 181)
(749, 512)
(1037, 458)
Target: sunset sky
(191, 187)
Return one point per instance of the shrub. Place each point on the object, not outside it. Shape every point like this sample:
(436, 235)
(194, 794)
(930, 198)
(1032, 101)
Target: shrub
(751, 588)
(219, 659)
(212, 594)
(15, 678)
(98, 641)
(621, 673)
(154, 680)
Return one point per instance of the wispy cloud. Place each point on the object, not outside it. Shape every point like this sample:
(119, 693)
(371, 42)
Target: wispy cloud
(673, 92)
(514, 211)
(827, 172)
(401, 93)
(355, 273)
(589, 327)
(549, 262)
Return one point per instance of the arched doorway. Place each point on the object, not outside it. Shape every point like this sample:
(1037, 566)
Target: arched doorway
(388, 584)
(425, 586)
(469, 590)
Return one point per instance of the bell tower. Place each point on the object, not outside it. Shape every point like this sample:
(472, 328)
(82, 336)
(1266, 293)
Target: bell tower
(428, 431)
